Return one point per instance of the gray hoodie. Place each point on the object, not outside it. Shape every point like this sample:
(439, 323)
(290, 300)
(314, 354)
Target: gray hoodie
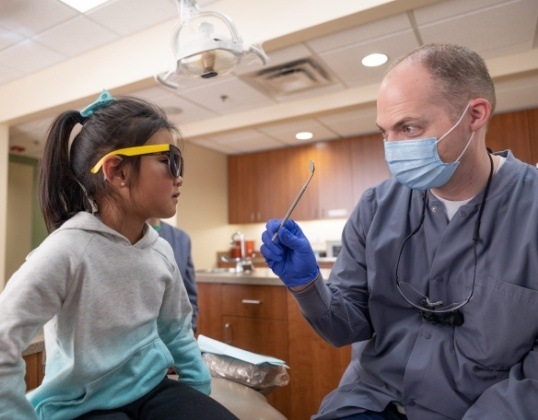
(115, 317)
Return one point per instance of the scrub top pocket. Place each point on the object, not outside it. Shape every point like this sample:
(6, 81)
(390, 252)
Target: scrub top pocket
(501, 323)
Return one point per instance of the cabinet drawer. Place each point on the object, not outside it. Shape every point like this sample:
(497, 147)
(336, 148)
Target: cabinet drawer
(255, 301)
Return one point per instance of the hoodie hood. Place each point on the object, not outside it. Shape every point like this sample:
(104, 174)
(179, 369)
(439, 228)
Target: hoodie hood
(93, 223)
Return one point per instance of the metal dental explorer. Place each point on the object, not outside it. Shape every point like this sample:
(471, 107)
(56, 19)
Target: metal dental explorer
(312, 168)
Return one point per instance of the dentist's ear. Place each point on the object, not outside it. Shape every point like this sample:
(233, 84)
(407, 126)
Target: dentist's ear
(480, 110)
(113, 171)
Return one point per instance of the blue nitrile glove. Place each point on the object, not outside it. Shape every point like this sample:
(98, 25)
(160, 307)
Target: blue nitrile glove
(290, 256)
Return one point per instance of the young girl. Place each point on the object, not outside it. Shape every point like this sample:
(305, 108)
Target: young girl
(103, 284)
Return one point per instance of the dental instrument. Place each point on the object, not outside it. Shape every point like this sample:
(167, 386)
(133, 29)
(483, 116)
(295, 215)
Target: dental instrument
(312, 168)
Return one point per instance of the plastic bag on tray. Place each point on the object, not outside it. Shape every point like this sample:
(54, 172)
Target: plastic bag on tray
(263, 377)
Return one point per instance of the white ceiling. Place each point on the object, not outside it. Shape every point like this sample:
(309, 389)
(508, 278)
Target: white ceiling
(227, 113)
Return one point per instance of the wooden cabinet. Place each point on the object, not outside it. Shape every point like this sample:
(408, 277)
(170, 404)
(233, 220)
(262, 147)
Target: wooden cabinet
(517, 131)
(266, 320)
(244, 174)
(264, 336)
(288, 172)
(334, 179)
(34, 370)
(368, 163)
(263, 185)
(253, 318)
(532, 115)
(316, 366)
(510, 131)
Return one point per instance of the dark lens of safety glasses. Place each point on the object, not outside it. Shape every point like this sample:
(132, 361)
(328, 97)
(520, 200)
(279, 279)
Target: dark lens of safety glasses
(175, 162)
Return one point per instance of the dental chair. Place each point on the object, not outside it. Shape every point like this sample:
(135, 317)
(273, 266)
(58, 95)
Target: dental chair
(246, 403)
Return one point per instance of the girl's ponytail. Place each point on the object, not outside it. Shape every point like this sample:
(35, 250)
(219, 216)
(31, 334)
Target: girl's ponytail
(60, 194)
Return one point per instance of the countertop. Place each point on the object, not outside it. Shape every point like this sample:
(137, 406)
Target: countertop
(258, 277)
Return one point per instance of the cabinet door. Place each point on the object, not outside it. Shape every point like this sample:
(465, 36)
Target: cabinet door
(533, 135)
(264, 336)
(210, 315)
(242, 188)
(298, 174)
(334, 178)
(368, 163)
(34, 370)
(286, 171)
(315, 366)
(510, 131)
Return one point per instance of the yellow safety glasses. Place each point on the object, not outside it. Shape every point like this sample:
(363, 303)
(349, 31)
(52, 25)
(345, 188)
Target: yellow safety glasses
(175, 159)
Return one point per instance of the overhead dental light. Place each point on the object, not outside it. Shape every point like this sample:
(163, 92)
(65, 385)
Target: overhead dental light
(206, 45)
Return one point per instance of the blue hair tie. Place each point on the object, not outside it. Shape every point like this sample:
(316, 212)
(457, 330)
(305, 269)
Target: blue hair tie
(103, 100)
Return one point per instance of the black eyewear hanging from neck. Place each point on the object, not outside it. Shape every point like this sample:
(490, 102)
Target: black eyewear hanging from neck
(436, 312)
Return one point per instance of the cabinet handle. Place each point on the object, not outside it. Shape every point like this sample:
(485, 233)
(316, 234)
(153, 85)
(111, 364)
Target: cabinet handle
(228, 333)
(251, 301)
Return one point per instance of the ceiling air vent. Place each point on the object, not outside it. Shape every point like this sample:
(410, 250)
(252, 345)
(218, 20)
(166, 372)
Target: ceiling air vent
(293, 77)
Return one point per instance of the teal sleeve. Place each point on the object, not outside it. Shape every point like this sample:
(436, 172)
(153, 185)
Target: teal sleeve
(175, 329)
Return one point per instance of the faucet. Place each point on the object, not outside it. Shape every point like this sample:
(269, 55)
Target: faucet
(242, 263)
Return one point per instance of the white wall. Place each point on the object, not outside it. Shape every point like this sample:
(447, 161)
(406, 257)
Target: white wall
(19, 220)
(203, 204)
(4, 146)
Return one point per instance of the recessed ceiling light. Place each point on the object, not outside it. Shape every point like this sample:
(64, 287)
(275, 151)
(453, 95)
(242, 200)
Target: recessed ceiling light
(84, 5)
(304, 135)
(374, 60)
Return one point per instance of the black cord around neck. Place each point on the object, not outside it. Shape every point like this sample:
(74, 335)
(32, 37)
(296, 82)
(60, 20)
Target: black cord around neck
(455, 317)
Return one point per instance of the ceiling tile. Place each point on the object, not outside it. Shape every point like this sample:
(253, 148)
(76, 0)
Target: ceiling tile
(211, 144)
(126, 17)
(76, 36)
(285, 132)
(512, 26)
(29, 56)
(247, 140)
(226, 96)
(151, 94)
(351, 123)
(360, 34)
(167, 100)
(444, 9)
(8, 38)
(189, 111)
(29, 17)
(346, 62)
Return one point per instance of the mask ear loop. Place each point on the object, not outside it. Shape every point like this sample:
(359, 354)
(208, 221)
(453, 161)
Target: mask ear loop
(453, 127)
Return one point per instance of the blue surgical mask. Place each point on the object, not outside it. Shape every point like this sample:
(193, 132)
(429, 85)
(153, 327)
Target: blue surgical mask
(416, 163)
